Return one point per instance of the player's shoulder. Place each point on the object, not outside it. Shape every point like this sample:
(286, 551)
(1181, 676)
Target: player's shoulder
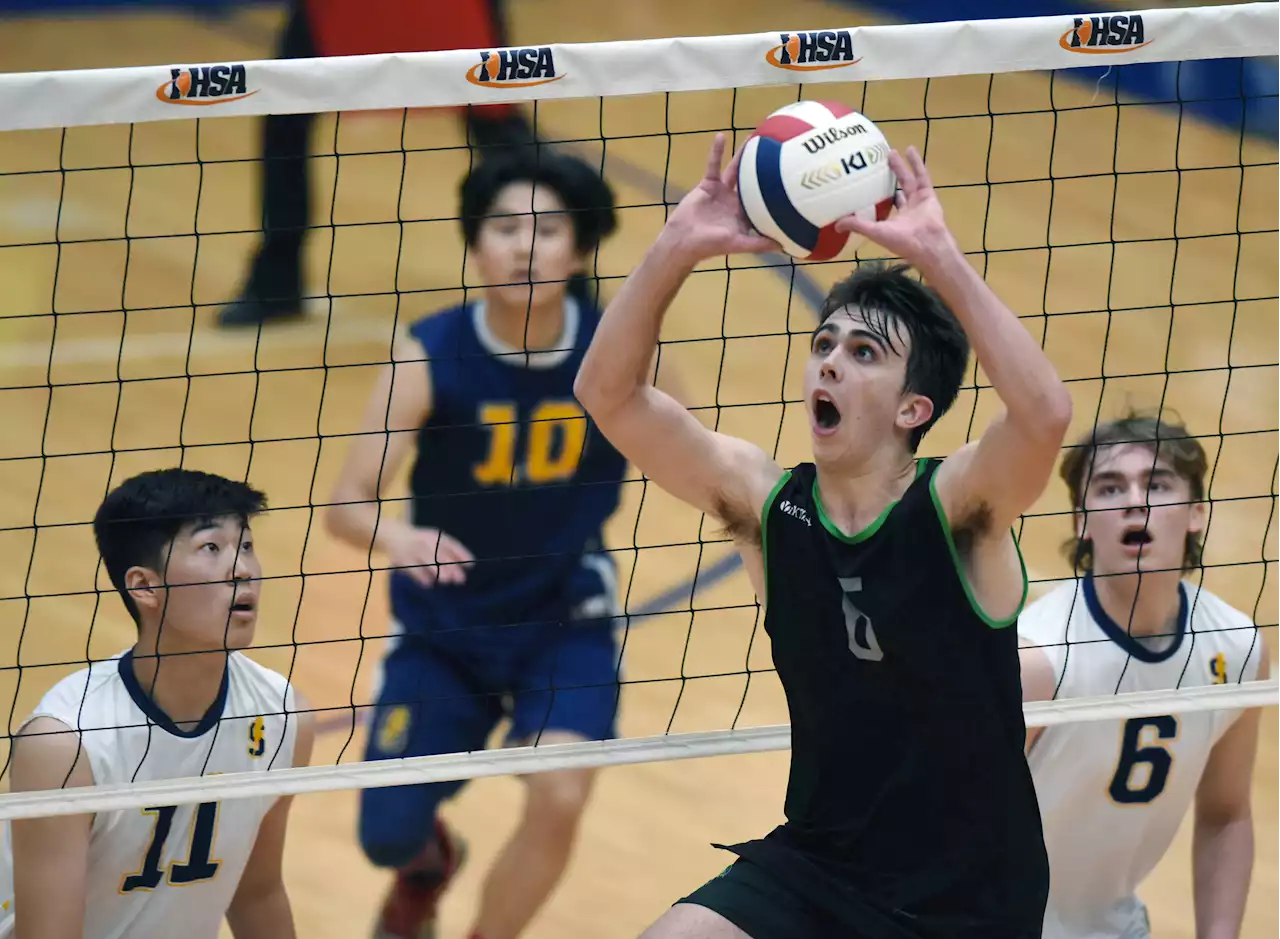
(1209, 613)
(442, 325)
(77, 697)
(1048, 618)
(246, 676)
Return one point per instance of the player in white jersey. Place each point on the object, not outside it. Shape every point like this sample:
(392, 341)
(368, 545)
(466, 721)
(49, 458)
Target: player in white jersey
(181, 702)
(1113, 793)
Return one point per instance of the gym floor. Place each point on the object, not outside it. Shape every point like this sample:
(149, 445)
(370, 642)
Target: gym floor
(299, 388)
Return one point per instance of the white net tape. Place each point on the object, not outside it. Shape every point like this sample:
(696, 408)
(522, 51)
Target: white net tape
(441, 79)
(517, 761)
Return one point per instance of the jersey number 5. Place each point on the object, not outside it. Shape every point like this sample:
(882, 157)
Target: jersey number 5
(553, 444)
(1134, 753)
(197, 867)
(862, 636)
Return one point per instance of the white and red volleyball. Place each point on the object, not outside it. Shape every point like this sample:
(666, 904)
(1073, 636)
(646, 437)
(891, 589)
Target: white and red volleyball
(806, 166)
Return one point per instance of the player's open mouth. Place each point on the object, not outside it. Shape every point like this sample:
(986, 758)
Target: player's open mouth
(1135, 538)
(826, 416)
(245, 605)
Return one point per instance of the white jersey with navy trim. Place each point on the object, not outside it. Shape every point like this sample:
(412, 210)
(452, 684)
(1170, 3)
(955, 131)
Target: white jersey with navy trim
(161, 871)
(1113, 793)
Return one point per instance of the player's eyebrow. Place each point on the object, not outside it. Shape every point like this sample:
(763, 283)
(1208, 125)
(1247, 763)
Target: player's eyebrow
(860, 332)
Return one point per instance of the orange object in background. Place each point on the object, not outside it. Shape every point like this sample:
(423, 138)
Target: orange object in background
(365, 27)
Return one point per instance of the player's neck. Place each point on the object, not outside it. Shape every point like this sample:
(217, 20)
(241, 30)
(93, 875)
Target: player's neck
(1146, 604)
(184, 686)
(520, 326)
(855, 496)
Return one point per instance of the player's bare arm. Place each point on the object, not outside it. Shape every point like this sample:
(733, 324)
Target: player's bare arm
(50, 855)
(987, 484)
(398, 406)
(1222, 846)
(1038, 681)
(260, 908)
(723, 476)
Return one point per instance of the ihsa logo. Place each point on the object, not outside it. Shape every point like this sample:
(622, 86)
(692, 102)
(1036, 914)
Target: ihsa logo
(204, 85)
(1105, 34)
(809, 52)
(514, 68)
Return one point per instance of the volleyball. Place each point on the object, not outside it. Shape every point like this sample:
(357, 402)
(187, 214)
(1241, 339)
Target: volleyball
(809, 164)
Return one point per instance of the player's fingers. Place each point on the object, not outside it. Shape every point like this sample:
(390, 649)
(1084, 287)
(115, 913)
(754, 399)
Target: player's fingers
(902, 170)
(424, 574)
(715, 158)
(918, 169)
(755, 244)
(454, 550)
(858, 226)
(730, 175)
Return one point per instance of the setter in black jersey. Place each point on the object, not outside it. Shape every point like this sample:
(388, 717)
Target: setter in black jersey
(890, 582)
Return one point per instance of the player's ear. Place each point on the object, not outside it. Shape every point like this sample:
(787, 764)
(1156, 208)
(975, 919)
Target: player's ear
(914, 410)
(142, 584)
(1199, 518)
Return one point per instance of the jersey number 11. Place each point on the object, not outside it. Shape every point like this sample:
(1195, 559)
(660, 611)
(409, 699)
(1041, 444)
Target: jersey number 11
(197, 867)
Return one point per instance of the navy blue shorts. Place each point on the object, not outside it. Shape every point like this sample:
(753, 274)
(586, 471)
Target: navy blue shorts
(437, 699)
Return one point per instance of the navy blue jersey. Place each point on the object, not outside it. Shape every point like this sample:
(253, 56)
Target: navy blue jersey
(510, 465)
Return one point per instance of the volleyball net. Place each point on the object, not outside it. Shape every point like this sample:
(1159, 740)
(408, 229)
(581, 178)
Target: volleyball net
(1113, 176)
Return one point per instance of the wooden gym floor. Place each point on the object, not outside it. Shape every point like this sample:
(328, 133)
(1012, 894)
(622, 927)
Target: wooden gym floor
(646, 838)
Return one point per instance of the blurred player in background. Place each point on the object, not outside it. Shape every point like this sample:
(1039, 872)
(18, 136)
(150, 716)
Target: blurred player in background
(501, 590)
(1114, 793)
(182, 702)
(273, 290)
(890, 582)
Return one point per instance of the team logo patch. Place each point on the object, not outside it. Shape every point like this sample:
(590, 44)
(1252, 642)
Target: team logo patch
(257, 737)
(1105, 35)
(813, 51)
(392, 734)
(1218, 669)
(515, 68)
(203, 85)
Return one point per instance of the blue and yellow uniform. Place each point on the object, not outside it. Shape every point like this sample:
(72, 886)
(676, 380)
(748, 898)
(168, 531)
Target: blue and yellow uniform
(509, 465)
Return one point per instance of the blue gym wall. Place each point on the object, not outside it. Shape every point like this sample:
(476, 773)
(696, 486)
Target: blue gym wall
(1232, 92)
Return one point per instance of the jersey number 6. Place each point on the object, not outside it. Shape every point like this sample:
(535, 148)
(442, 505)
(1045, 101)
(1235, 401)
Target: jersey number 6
(553, 445)
(198, 865)
(1133, 753)
(862, 636)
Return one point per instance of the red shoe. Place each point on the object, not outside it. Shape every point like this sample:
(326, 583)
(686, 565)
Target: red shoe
(409, 911)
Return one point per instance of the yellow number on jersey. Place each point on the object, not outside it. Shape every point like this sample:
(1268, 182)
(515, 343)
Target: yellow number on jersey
(544, 462)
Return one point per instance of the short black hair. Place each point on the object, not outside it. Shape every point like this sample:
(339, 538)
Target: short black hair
(1167, 438)
(939, 353)
(584, 192)
(139, 519)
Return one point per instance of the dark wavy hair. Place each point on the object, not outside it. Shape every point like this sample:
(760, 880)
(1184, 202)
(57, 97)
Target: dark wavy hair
(587, 198)
(139, 519)
(890, 299)
(1168, 440)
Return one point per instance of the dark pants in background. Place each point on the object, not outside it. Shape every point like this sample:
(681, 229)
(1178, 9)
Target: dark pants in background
(274, 286)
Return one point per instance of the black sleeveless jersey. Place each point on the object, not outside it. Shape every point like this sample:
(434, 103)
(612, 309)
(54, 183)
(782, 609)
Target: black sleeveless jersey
(910, 808)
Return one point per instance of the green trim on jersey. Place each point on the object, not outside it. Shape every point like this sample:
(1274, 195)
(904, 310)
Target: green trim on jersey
(764, 529)
(964, 580)
(833, 529)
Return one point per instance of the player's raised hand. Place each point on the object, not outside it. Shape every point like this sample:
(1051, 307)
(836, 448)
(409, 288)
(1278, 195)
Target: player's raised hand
(709, 220)
(916, 231)
(430, 556)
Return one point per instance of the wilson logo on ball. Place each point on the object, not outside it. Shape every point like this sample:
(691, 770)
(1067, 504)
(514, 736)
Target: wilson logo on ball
(811, 51)
(1105, 34)
(204, 85)
(514, 68)
(832, 135)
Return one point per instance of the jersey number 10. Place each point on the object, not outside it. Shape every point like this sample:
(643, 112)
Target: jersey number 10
(197, 867)
(557, 430)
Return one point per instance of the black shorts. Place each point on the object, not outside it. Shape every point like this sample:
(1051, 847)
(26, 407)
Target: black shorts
(757, 903)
